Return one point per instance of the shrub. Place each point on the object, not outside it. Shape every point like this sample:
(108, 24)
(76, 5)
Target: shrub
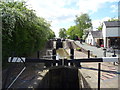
(23, 33)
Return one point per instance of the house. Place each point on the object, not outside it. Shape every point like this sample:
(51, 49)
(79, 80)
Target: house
(94, 38)
(111, 34)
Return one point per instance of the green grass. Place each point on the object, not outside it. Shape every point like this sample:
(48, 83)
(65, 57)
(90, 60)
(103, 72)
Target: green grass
(78, 49)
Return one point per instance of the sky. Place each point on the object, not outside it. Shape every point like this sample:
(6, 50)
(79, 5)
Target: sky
(61, 13)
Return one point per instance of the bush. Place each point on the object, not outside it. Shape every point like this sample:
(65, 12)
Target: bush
(23, 33)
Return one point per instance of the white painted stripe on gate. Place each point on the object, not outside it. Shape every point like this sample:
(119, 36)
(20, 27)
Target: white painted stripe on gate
(110, 59)
(16, 59)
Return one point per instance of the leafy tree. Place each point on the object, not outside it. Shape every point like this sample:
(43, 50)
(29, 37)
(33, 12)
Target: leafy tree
(51, 34)
(71, 32)
(100, 27)
(82, 22)
(85, 32)
(23, 33)
(62, 33)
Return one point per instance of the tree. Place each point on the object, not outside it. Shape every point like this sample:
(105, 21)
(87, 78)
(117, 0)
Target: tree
(62, 33)
(71, 32)
(51, 34)
(23, 33)
(82, 22)
(100, 27)
(114, 19)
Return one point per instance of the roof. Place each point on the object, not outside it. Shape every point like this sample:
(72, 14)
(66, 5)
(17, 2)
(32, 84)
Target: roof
(112, 23)
(96, 34)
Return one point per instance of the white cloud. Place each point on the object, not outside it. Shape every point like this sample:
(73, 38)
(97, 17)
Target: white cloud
(115, 8)
(97, 22)
(61, 16)
(54, 10)
(92, 5)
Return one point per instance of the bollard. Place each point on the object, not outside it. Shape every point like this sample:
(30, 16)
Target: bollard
(59, 44)
(88, 53)
(54, 56)
(104, 52)
(71, 55)
(99, 75)
(72, 51)
(114, 56)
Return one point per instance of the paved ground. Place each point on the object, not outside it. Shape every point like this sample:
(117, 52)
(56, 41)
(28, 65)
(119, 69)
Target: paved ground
(77, 54)
(109, 78)
(95, 51)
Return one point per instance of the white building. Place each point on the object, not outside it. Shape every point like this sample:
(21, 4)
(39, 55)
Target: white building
(94, 38)
(111, 33)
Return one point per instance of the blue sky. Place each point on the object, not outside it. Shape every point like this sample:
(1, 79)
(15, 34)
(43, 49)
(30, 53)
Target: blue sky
(62, 13)
(108, 9)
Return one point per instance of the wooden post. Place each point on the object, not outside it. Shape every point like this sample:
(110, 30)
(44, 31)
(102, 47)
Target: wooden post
(71, 55)
(114, 56)
(59, 44)
(88, 53)
(99, 68)
(54, 56)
